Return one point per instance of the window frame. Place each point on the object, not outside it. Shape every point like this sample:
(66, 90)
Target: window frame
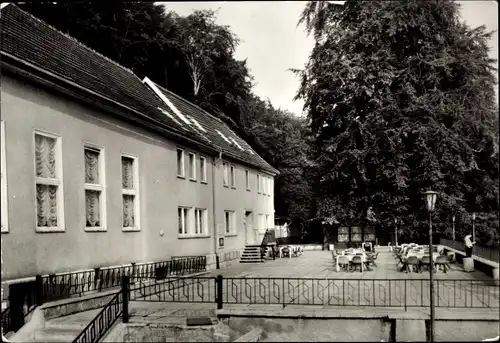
(192, 168)
(259, 183)
(203, 169)
(225, 174)
(203, 219)
(231, 221)
(247, 180)
(232, 176)
(186, 225)
(101, 187)
(183, 162)
(58, 181)
(135, 192)
(4, 211)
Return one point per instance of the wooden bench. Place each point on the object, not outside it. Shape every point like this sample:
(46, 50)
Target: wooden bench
(485, 265)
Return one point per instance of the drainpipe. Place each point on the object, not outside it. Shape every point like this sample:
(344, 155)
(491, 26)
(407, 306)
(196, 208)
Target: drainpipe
(214, 213)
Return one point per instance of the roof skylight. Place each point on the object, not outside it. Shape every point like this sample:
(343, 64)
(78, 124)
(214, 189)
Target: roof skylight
(169, 115)
(197, 124)
(165, 100)
(224, 137)
(236, 143)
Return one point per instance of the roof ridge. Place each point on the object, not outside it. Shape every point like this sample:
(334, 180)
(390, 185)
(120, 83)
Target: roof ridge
(75, 40)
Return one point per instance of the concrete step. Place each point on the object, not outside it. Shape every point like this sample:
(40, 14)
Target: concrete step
(56, 335)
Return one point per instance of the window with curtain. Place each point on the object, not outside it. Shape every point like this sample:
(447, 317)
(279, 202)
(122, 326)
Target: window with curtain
(94, 188)
(183, 220)
(192, 166)
(200, 217)
(203, 169)
(3, 192)
(130, 193)
(49, 202)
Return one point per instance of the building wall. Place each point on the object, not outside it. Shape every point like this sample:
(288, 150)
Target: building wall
(27, 252)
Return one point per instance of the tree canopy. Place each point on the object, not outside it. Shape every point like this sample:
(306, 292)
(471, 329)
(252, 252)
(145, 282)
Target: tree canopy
(193, 56)
(400, 97)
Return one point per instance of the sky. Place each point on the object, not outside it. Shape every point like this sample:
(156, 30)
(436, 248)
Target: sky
(272, 43)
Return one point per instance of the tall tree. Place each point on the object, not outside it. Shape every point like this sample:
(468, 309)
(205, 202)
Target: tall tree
(400, 95)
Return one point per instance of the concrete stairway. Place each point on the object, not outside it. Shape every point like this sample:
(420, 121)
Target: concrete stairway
(65, 329)
(251, 254)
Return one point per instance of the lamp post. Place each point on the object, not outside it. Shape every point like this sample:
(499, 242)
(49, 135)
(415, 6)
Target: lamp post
(430, 198)
(396, 231)
(473, 226)
(453, 232)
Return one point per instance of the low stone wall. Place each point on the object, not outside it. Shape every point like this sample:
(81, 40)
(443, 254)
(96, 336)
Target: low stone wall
(226, 259)
(490, 268)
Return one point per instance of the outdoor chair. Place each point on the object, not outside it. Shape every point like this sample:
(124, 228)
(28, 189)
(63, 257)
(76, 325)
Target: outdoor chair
(411, 262)
(343, 262)
(357, 261)
(285, 252)
(442, 261)
(402, 262)
(370, 260)
(425, 261)
(334, 256)
(374, 258)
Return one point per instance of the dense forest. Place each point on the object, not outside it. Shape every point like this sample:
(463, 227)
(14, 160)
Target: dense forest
(399, 98)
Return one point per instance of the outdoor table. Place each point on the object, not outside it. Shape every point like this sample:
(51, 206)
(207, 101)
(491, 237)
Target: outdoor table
(350, 256)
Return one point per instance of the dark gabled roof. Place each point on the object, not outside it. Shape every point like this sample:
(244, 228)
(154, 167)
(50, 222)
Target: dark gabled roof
(33, 41)
(39, 45)
(214, 129)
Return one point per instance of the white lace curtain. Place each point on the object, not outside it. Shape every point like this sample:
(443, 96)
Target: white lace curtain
(128, 183)
(92, 197)
(46, 195)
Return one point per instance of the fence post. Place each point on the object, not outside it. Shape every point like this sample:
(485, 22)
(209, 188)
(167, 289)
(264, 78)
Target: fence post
(405, 296)
(218, 282)
(38, 290)
(125, 282)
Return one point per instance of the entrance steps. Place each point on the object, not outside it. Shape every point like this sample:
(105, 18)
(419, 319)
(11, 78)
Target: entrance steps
(252, 254)
(64, 329)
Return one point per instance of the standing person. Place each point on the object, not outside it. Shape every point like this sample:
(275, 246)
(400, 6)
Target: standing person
(389, 245)
(468, 245)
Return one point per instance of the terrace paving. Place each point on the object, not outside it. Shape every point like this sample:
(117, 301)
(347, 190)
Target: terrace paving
(311, 279)
(319, 264)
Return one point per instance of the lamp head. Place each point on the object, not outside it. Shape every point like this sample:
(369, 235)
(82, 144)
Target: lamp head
(473, 215)
(430, 200)
(453, 218)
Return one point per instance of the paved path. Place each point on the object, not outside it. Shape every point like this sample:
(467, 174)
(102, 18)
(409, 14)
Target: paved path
(311, 279)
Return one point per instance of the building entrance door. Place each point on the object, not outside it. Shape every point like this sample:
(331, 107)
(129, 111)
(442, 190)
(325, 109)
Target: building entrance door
(248, 223)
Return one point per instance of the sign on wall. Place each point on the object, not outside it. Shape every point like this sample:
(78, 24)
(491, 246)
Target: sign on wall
(356, 234)
(221, 242)
(343, 234)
